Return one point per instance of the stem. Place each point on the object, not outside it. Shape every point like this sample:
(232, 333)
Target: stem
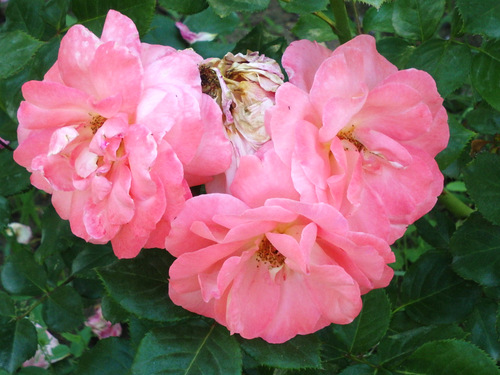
(5, 145)
(327, 19)
(454, 205)
(342, 21)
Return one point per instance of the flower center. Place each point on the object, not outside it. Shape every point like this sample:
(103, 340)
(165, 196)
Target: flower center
(268, 254)
(209, 82)
(96, 123)
(347, 134)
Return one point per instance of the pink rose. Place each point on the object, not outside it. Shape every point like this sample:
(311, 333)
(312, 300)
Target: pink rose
(116, 132)
(274, 271)
(359, 134)
(101, 327)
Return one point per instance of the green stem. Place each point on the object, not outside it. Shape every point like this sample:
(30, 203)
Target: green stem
(327, 19)
(454, 205)
(341, 21)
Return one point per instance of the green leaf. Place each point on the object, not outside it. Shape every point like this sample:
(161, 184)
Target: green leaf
(433, 294)
(4, 212)
(56, 235)
(485, 74)
(188, 349)
(438, 233)
(394, 348)
(211, 22)
(63, 310)
(450, 357)
(313, 28)
(448, 63)
(374, 3)
(369, 326)
(482, 326)
(31, 370)
(483, 119)
(112, 311)
(482, 178)
(21, 275)
(303, 7)
(417, 19)
(297, 353)
(163, 31)
(17, 49)
(25, 15)
(459, 138)
(358, 370)
(140, 283)
(55, 17)
(379, 20)
(224, 7)
(258, 39)
(475, 247)
(92, 13)
(110, 356)
(6, 305)
(481, 16)
(18, 342)
(91, 256)
(185, 6)
(14, 178)
(396, 50)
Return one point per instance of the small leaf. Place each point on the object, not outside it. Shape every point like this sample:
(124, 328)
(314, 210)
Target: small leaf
(374, 3)
(303, 7)
(56, 235)
(313, 28)
(63, 310)
(17, 49)
(163, 31)
(185, 6)
(21, 275)
(112, 311)
(482, 324)
(416, 19)
(448, 63)
(210, 22)
(379, 19)
(14, 178)
(433, 294)
(258, 39)
(110, 356)
(485, 73)
(370, 325)
(18, 342)
(396, 50)
(140, 283)
(4, 212)
(475, 247)
(482, 178)
(91, 256)
(224, 7)
(92, 13)
(25, 15)
(358, 370)
(6, 305)
(459, 138)
(393, 349)
(188, 349)
(450, 357)
(481, 16)
(297, 353)
(483, 119)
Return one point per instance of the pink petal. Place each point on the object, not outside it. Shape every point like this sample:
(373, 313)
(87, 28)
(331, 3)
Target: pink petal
(301, 61)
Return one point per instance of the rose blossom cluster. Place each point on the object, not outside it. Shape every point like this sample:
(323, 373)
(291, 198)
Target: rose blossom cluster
(308, 181)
